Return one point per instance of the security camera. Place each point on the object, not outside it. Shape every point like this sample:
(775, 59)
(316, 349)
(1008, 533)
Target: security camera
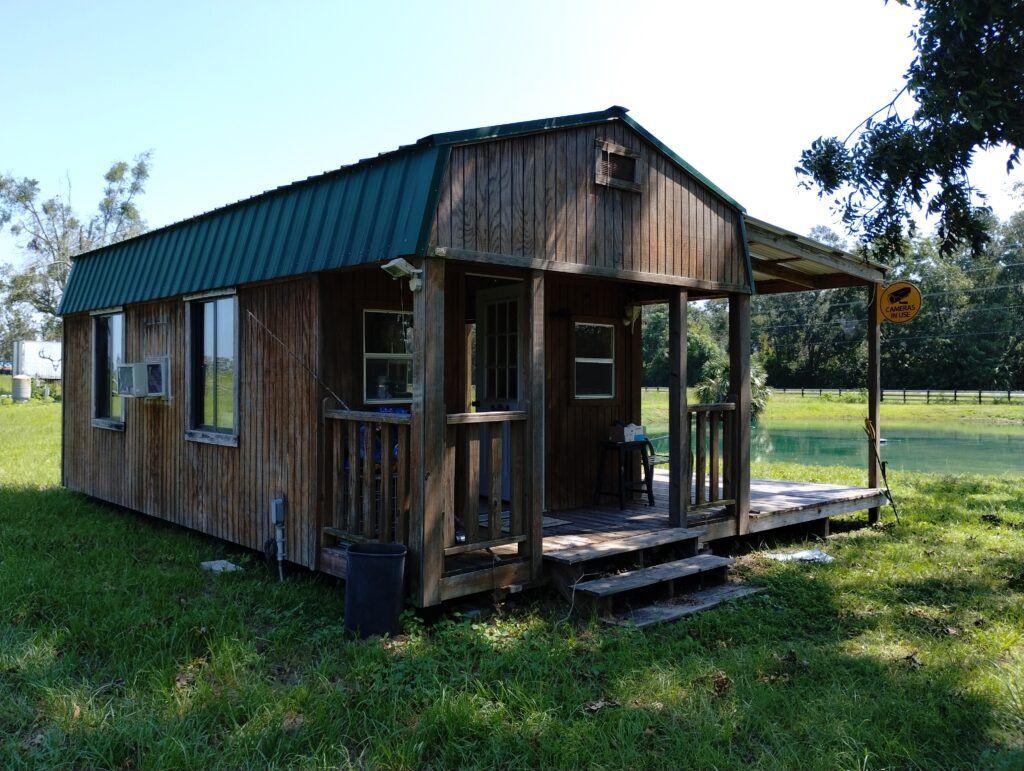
(400, 268)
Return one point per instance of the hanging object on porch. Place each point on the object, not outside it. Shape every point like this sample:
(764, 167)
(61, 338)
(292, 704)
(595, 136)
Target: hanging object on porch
(899, 302)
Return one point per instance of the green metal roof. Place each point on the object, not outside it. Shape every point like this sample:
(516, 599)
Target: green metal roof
(366, 212)
(370, 211)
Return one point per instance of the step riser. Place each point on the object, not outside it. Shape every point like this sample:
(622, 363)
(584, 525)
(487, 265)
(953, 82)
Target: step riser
(660, 592)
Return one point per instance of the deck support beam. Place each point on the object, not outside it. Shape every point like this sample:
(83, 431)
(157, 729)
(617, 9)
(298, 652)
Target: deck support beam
(874, 390)
(678, 432)
(535, 438)
(429, 429)
(739, 386)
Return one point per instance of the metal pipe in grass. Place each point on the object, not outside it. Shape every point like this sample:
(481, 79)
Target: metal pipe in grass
(869, 429)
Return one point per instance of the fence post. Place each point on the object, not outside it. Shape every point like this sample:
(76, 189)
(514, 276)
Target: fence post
(928, 396)
(979, 396)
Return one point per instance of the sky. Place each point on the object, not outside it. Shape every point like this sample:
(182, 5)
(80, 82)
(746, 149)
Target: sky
(236, 97)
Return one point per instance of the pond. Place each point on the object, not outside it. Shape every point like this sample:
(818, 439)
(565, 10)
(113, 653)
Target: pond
(952, 449)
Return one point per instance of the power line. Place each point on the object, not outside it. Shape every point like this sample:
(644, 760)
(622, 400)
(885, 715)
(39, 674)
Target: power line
(845, 321)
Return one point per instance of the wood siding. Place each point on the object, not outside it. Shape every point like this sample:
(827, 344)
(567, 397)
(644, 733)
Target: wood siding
(535, 198)
(575, 427)
(220, 490)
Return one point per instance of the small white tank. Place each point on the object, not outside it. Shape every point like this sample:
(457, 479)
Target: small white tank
(21, 388)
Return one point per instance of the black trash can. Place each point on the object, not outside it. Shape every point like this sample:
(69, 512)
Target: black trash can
(374, 588)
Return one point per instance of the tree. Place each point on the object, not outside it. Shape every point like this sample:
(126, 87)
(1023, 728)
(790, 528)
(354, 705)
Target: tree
(701, 347)
(967, 80)
(15, 319)
(50, 234)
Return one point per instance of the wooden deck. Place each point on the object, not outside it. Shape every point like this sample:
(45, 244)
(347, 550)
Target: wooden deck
(774, 504)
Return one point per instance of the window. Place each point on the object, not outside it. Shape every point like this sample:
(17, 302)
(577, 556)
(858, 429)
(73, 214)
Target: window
(617, 166)
(108, 354)
(387, 357)
(212, 375)
(594, 346)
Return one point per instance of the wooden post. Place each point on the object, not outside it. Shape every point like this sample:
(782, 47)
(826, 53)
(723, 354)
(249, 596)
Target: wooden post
(429, 431)
(535, 437)
(678, 433)
(874, 391)
(739, 384)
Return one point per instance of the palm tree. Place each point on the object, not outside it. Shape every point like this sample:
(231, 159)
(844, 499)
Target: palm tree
(713, 387)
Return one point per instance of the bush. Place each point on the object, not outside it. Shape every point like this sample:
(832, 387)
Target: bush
(848, 397)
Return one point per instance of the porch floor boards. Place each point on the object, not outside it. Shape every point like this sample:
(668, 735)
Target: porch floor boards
(770, 499)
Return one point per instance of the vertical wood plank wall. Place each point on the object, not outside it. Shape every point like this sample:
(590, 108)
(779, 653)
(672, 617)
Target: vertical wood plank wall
(535, 197)
(574, 427)
(218, 490)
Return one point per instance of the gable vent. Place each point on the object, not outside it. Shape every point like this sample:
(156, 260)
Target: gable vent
(617, 166)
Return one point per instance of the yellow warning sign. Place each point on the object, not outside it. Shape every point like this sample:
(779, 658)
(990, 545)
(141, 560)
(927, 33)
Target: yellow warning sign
(899, 302)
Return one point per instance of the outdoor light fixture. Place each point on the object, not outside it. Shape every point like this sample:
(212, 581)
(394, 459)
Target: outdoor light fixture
(402, 268)
(630, 314)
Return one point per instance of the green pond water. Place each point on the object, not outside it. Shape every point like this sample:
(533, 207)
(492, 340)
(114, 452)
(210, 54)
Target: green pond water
(937, 448)
(956, 449)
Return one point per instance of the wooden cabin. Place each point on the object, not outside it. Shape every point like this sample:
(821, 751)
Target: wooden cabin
(459, 400)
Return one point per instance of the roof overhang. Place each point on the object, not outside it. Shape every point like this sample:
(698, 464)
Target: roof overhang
(783, 261)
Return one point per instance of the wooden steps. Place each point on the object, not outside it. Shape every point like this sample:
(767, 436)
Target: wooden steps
(644, 579)
(680, 607)
(686, 537)
(655, 575)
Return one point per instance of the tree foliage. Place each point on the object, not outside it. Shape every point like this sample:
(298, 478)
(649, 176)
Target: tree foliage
(967, 80)
(701, 347)
(49, 232)
(969, 334)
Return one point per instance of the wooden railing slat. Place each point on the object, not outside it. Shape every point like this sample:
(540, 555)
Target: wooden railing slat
(450, 460)
(351, 513)
(369, 450)
(494, 484)
(471, 461)
(403, 491)
(714, 420)
(387, 522)
(701, 457)
(515, 523)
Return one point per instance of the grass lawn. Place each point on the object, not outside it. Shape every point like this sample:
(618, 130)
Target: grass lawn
(116, 651)
(791, 407)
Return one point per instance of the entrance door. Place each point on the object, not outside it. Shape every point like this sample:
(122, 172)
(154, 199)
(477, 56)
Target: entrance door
(499, 371)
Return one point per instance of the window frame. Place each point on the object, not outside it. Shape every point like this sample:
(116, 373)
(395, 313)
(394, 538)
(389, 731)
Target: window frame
(195, 431)
(106, 421)
(366, 356)
(577, 360)
(604, 148)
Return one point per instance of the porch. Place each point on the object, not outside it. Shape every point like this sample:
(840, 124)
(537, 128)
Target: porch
(492, 541)
(773, 504)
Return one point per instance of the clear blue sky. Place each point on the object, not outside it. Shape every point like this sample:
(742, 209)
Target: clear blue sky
(238, 97)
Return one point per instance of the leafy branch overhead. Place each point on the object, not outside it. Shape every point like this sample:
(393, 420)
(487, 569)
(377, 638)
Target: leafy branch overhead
(50, 233)
(968, 84)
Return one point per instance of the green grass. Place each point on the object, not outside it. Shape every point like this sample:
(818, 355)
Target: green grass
(791, 407)
(116, 651)
(6, 384)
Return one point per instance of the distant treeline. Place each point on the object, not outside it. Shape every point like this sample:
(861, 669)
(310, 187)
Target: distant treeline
(969, 334)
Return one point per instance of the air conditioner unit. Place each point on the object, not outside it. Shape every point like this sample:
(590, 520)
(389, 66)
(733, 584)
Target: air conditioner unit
(149, 378)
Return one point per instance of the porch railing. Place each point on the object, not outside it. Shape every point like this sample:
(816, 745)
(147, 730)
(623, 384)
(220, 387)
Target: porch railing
(475, 491)
(368, 493)
(712, 428)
